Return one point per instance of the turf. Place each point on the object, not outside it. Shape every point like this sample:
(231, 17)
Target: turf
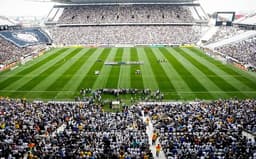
(185, 74)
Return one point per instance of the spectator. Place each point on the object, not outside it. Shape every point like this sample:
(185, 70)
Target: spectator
(109, 14)
(158, 149)
(113, 35)
(244, 51)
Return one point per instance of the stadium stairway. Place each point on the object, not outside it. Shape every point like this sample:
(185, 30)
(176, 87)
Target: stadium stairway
(211, 31)
(149, 131)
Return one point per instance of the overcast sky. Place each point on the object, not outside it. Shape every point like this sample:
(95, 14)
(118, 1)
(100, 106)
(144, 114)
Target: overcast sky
(228, 5)
(24, 8)
(29, 8)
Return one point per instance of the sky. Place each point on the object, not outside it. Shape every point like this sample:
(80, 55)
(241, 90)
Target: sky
(211, 6)
(24, 8)
(32, 8)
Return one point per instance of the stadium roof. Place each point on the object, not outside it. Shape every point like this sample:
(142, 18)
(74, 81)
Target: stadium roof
(124, 1)
(247, 20)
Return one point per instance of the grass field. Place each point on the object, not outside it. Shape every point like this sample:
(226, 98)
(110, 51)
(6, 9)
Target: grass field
(187, 74)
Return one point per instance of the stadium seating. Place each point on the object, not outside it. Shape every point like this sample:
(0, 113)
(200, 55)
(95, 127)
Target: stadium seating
(224, 32)
(207, 130)
(126, 24)
(26, 37)
(86, 131)
(73, 130)
(101, 14)
(244, 51)
(17, 43)
(111, 35)
(10, 53)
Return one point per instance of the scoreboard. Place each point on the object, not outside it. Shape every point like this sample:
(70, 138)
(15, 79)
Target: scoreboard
(225, 18)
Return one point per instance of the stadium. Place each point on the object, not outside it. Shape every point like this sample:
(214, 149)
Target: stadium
(126, 79)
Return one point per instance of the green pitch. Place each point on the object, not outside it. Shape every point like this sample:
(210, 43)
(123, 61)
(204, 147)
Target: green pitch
(179, 73)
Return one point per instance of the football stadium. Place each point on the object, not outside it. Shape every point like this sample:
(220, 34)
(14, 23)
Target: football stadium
(128, 79)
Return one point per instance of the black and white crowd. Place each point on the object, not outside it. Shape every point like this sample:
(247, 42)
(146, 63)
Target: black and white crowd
(109, 14)
(77, 130)
(130, 35)
(92, 96)
(225, 32)
(244, 51)
(114, 24)
(70, 131)
(10, 53)
(206, 130)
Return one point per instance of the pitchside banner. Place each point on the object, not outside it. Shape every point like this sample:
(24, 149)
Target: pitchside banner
(225, 18)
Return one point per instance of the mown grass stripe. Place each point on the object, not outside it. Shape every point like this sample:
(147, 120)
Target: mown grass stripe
(165, 85)
(240, 75)
(25, 79)
(75, 83)
(214, 77)
(90, 77)
(124, 80)
(64, 81)
(30, 84)
(179, 84)
(149, 79)
(58, 79)
(234, 81)
(252, 74)
(198, 74)
(9, 73)
(136, 80)
(115, 70)
(101, 81)
(26, 71)
(192, 82)
(71, 91)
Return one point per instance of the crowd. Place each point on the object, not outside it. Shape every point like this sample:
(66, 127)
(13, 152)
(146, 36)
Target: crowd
(119, 25)
(17, 44)
(87, 95)
(126, 24)
(244, 51)
(10, 53)
(79, 130)
(23, 125)
(225, 32)
(206, 130)
(108, 14)
(111, 35)
(33, 130)
(26, 37)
